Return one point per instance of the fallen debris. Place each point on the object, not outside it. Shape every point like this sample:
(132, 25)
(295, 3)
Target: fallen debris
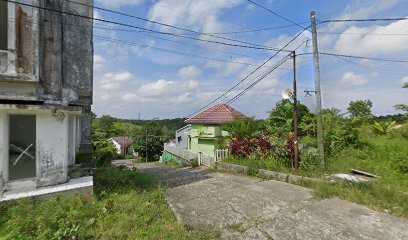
(348, 177)
(355, 171)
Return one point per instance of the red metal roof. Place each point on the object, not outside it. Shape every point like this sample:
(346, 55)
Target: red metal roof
(216, 115)
(123, 141)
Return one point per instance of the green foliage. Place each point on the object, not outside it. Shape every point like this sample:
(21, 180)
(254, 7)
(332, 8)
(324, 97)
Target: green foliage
(149, 139)
(129, 206)
(104, 153)
(243, 128)
(382, 128)
(280, 119)
(134, 215)
(360, 108)
(109, 180)
(309, 161)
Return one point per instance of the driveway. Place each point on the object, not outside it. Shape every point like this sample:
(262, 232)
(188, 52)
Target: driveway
(243, 207)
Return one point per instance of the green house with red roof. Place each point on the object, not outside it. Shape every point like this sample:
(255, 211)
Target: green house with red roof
(205, 132)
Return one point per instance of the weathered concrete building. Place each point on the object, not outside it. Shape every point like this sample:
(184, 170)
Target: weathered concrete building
(46, 68)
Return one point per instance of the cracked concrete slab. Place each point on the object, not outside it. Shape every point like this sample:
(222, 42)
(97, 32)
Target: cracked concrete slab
(244, 207)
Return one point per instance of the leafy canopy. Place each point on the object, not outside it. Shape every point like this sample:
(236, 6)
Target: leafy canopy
(242, 128)
(360, 108)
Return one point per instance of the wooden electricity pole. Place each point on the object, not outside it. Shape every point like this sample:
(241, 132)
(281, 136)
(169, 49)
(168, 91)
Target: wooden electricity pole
(295, 116)
(320, 147)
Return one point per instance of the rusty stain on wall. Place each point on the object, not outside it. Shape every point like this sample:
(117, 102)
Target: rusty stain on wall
(24, 42)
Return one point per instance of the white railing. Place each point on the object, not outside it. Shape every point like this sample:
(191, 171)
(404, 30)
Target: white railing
(221, 154)
(180, 152)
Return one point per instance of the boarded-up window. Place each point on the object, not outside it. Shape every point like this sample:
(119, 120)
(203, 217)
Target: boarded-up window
(3, 25)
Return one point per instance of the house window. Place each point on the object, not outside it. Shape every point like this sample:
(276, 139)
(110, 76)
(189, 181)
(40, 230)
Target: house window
(178, 139)
(22, 137)
(3, 25)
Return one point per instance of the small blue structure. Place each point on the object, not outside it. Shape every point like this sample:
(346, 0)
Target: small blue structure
(182, 137)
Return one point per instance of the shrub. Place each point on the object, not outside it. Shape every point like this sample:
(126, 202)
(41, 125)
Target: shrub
(309, 160)
(104, 156)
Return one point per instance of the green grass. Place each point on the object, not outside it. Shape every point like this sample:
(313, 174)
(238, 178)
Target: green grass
(383, 156)
(132, 206)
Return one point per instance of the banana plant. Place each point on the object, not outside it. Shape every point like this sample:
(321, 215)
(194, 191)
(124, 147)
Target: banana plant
(384, 127)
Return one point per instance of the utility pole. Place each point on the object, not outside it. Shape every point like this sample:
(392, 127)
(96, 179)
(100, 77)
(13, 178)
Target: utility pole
(295, 116)
(146, 143)
(320, 147)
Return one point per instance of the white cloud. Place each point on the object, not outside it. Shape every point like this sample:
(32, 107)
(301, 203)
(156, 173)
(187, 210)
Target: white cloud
(196, 14)
(266, 86)
(111, 81)
(97, 14)
(98, 59)
(404, 80)
(163, 91)
(352, 79)
(119, 3)
(189, 72)
(375, 44)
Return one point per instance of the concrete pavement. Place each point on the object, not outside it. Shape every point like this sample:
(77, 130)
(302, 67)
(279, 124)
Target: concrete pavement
(244, 207)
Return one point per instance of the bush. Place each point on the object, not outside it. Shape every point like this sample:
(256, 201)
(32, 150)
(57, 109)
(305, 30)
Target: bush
(401, 131)
(309, 160)
(104, 156)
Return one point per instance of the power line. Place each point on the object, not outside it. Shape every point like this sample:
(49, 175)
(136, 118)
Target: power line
(253, 30)
(358, 57)
(157, 37)
(276, 14)
(247, 76)
(104, 38)
(370, 68)
(260, 79)
(264, 75)
(250, 45)
(175, 27)
(355, 33)
(172, 51)
(364, 20)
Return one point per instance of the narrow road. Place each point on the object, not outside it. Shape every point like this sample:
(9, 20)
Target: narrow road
(243, 207)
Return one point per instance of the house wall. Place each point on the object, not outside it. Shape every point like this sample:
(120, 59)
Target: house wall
(50, 58)
(117, 146)
(182, 137)
(47, 70)
(204, 139)
(52, 145)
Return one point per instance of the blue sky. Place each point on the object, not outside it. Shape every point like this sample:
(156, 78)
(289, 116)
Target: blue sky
(131, 78)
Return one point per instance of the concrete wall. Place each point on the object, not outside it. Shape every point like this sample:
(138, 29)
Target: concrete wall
(50, 57)
(48, 68)
(52, 145)
(52, 149)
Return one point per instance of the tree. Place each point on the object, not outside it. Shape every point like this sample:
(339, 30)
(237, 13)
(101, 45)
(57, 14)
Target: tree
(242, 128)
(402, 107)
(148, 140)
(280, 120)
(360, 108)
